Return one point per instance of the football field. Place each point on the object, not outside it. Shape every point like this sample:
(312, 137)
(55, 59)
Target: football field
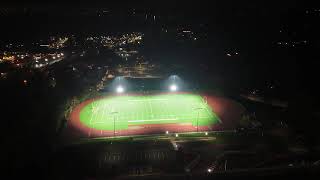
(120, 112)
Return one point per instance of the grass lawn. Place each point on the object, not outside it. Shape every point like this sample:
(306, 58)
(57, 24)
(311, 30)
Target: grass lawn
(135, 110)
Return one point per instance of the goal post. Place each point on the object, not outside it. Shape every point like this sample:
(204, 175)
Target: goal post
(205, 100)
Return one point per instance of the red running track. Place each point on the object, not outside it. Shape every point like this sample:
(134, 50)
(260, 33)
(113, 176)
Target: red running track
(226, 109)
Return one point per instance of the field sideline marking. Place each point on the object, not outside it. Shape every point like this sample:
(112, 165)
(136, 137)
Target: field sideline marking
(94, 118)
(148, 100)
(150, 108)
(169, 119)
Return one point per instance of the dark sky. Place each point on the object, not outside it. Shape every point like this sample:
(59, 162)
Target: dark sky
(250, 25)
(199, 5)
(31, 16)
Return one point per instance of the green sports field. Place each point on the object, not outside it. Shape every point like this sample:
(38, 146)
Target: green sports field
(135, 110)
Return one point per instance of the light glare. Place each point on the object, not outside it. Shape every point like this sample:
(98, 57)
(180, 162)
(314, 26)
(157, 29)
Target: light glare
(120, 89)
(173, 87)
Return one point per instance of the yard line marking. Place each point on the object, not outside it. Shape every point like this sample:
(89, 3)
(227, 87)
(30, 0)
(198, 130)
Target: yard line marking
(96, 114)
(89, 133)
(168, 119)
(166, 112)
(151, 110)
(143, 100)
(146, 109)
(103, 111)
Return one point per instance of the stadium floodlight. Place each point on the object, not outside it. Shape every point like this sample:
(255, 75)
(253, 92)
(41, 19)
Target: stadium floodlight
(173, 87)
(120, 89)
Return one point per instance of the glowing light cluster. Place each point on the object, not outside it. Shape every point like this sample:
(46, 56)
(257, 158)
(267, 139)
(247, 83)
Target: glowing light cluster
(173, 87)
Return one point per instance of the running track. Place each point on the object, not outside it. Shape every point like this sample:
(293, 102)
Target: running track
(227, 110)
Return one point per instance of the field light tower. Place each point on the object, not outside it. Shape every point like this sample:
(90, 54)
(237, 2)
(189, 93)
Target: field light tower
(173, 88)
(120, 89)
(173, 83)
(114, 121)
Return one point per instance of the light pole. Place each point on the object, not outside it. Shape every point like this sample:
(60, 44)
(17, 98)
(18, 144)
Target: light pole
(114, 122)
(198, 109)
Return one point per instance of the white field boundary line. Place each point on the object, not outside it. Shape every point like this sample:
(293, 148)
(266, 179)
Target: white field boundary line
(109, 117)
(104, 109)
(90, 122)
(148, 101)
(213, 113)
(166, 103)
(205, 105)
(144, 100)
(150, 107)
(146, 109)
(207, 111)
(206, 108)
(169, 119)
(94, 116)
(147, 120)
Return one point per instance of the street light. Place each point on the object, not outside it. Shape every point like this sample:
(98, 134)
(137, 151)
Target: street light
(198, 109)
(114, 122)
